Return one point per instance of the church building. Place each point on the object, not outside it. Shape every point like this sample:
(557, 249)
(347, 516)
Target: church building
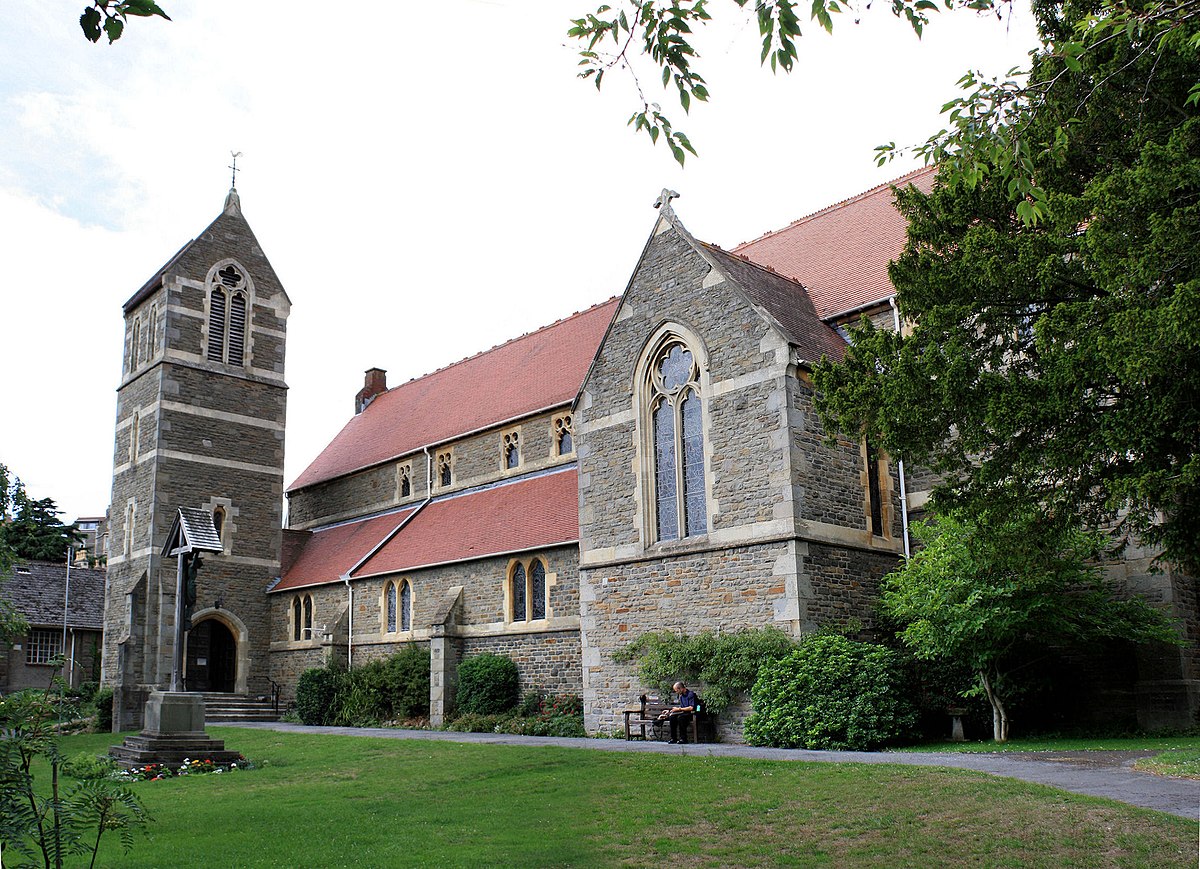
(651, 463)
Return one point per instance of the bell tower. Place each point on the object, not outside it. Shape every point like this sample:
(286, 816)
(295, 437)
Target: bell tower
(200, 424)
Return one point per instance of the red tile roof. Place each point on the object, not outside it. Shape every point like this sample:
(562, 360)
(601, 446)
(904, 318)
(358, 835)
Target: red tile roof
(536, 371)
(841, 253)
(329, 553)
(527, 514)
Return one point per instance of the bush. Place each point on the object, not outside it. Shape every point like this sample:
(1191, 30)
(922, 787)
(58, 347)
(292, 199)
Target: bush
(104, 710)
(407, 682)
(560, 715)
(831, 693)
(487, 685)
(86, 766)
(726, 665)
(315, 693)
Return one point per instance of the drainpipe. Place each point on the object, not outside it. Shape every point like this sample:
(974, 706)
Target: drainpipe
(900, 463)
(349, 623)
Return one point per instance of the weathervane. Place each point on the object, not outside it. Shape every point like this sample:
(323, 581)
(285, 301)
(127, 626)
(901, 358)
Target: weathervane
(235, 154)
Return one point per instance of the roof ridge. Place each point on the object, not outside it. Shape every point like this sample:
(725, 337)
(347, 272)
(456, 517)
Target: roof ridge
(842, 203)
(503, 344)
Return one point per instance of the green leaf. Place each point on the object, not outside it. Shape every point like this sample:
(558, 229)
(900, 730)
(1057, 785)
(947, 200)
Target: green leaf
(90, 22)
(113, 28)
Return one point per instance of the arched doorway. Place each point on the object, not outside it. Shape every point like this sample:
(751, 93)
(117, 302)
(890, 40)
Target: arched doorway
(211, 657)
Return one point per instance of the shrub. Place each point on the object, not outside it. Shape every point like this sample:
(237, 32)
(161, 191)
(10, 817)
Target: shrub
(407, 682)
(104, 710)
(560, 715)
(315, 693)
(86, 766)
(726, 664)
(487, 685)
(831, 693)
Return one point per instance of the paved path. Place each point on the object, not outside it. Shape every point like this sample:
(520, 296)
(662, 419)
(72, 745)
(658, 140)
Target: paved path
(1097, 774)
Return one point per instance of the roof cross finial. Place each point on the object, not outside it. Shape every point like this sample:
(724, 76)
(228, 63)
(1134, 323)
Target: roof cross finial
(233, 166)
(664, 198)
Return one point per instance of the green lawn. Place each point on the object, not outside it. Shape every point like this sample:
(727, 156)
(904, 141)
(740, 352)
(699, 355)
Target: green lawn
(333, 801)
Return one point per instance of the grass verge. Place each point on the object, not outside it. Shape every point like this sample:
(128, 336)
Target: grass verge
(337, 801)
(1183, 763)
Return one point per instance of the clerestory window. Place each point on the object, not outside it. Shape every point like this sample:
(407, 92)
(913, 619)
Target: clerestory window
(564, 435)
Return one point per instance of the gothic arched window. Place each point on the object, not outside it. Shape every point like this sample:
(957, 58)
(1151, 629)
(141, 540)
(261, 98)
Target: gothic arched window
(528, 590)
(390, 604)
(677, 442)
(297, 624)
(405, 605)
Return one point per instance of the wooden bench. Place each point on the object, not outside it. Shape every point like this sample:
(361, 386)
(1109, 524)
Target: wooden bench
(646, 715)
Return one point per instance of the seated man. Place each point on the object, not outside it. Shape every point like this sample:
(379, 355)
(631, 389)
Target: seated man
(680, 715)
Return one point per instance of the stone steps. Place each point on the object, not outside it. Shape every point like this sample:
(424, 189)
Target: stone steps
(237, 707)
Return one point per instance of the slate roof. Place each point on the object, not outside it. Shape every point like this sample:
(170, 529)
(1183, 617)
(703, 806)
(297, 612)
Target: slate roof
(36, 590)
(534, 372)
(527, 513)
(198, 529)
(841, 253)
(786, 301)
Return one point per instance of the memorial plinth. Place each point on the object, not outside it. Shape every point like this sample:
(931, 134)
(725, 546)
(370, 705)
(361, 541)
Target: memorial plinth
(173, 732)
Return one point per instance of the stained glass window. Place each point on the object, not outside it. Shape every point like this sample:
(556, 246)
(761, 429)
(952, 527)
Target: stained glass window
(678, 445)
(405, 606)
(391, 607)
(537, 589)
(518, 593)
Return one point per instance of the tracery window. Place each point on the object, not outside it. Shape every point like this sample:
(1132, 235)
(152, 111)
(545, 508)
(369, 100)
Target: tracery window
(511, 450)
(404, 481)
(227, 316)
(564, 435)
(677, 442)
(302, 617)
(528, 590)
(445, 469)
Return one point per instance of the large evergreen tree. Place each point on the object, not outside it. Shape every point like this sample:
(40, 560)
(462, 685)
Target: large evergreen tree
(1056, 365)
(31, 529)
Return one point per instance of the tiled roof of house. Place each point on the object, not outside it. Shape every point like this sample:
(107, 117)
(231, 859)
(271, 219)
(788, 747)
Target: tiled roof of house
(527, 513)
(37, 590)
(786, 301)
(841, 253)
(531, 373)
(329, 553)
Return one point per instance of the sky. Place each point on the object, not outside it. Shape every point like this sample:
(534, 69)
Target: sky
(427, 179)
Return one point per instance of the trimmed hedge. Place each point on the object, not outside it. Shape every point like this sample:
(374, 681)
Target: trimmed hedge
(831, 693)
(487, 685)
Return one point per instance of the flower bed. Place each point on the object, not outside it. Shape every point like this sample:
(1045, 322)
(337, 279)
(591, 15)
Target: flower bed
(157, 771)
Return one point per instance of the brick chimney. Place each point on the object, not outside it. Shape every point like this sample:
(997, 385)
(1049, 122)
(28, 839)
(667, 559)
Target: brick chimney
(374, 383)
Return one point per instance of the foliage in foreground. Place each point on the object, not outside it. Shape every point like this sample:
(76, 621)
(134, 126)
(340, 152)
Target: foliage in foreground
(1053, 367)
(981, 592)
(831, 693)
(487, 685)
(394, 688)
(49, 825)
(724, 666)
